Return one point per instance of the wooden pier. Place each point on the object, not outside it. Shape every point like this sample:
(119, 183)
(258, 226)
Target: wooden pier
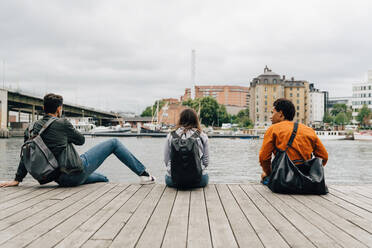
(221, 215)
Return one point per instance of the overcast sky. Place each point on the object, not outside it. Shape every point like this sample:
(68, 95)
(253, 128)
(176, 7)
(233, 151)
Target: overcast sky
(123, 55)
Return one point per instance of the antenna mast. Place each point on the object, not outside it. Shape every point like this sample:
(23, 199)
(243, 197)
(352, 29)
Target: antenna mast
(193, 74)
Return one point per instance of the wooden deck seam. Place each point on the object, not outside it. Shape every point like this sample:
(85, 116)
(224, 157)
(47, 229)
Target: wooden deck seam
(93, 214)
(241, 209)
(228, 220)
(289, 221)
(140, 203)
(153, 210)
(209, 223)
(328, 221)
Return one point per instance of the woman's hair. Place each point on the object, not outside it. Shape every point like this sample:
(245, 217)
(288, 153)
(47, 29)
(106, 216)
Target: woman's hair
(189, 119)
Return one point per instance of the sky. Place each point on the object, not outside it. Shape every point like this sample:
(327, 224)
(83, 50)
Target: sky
(124, 55)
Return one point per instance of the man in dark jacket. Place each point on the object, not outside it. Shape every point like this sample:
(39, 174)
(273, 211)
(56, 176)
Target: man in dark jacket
(61, 133)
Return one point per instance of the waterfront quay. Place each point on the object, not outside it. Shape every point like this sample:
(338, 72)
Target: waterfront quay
(220, 215)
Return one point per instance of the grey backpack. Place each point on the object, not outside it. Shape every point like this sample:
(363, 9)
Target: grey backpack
(37, 158)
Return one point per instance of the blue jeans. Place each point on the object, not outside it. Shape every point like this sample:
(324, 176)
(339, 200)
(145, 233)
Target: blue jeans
(204, 182)
(93, 158)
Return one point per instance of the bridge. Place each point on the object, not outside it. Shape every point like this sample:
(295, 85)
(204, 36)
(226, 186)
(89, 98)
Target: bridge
(17, 101)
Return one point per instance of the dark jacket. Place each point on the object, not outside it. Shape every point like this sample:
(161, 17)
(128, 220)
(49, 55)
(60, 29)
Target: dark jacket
(56, 137)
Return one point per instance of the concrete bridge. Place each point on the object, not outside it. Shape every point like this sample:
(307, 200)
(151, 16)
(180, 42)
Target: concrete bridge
(20, 102)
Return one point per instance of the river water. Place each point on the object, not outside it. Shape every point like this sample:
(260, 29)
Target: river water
(231, 160)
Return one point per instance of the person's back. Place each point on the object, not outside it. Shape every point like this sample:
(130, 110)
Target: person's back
(305, 144)
(188, 128)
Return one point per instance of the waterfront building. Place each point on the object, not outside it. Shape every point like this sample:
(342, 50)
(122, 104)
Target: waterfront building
(225, 94)
(362, 94)
(317, 105)
(187, 95)
(339, 100)
(268, 87)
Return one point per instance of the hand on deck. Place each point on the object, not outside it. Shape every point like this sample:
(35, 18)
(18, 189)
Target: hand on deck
(9, 184)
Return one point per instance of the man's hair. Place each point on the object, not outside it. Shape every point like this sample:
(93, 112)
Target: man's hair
(52, 102)
(287, 108)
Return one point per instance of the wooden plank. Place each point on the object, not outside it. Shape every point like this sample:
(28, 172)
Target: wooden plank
(341, 222)
(198, 235)
(43, 215)
(268, 235)
(154, 232)
(353, 192)
(176, 233)
(17, 194)
(353, 200)
(128, 236)
(58, 233)
(23, 198)
(5, 213)
(221, 233)
(292, 236)
(96, 243)
(78, 237)
(113, 226)
(312, 232)
(327, 227)
(243, 231)
(349, 206)
(345, 213)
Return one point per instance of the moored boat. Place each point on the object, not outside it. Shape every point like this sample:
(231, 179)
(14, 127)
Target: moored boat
(331, 135)
(363, 135)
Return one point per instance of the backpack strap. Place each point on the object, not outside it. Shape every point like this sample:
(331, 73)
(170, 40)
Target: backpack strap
(175, 135)
(289, 144)
(30, 129)
(47, 124)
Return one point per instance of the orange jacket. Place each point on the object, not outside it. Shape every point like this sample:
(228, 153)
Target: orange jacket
(277, 136)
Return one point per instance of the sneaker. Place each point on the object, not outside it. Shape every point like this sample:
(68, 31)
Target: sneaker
(147, 179)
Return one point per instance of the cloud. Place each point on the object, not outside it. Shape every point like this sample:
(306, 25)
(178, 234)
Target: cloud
(123, 55)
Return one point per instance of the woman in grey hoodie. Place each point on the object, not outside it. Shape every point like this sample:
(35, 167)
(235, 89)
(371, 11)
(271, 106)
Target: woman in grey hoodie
(188, 125)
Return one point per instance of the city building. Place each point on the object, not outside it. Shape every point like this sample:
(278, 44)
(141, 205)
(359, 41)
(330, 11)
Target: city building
(317, 105)
(187, 95)
(268, 87)
(362, 94)
(225, 94)
(339, 100)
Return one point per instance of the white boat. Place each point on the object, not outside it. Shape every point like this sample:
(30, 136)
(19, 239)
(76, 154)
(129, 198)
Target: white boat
(83, 125)
(363, 135)
(330, 135)
(113, 129)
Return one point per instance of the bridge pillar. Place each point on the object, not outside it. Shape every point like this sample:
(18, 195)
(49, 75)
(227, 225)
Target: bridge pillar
(19, 115)
(82, 113)
(3, 109)
(33, 113)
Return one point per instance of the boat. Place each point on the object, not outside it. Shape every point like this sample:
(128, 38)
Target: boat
(113, 129)
(83, 125)
(331, 135)
(363, 135)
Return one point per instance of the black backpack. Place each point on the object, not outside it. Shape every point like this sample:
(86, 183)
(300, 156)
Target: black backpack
(37, 158)
(186, 170)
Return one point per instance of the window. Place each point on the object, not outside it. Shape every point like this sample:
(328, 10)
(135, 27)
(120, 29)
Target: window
(257, 110)
(298, 89)
(265, 81)
(274, 81)
(290, 89)
(290, 94)
(265, 110)
(298, 114)
(265, 87)
(298, 101)
(298, 94)
(265, 102)
(258, 118)
(298, 107)
(265, 118)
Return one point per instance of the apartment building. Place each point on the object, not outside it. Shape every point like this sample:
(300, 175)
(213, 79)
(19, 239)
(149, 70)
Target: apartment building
(317, 105)
(268, 87)
(362, 94)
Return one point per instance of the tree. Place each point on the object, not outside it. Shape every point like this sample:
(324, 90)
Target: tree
(341, 119)
(211, 113)
(150, 110)
(327, 118)
(338, 108)
(242, 118)
(364, 116)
